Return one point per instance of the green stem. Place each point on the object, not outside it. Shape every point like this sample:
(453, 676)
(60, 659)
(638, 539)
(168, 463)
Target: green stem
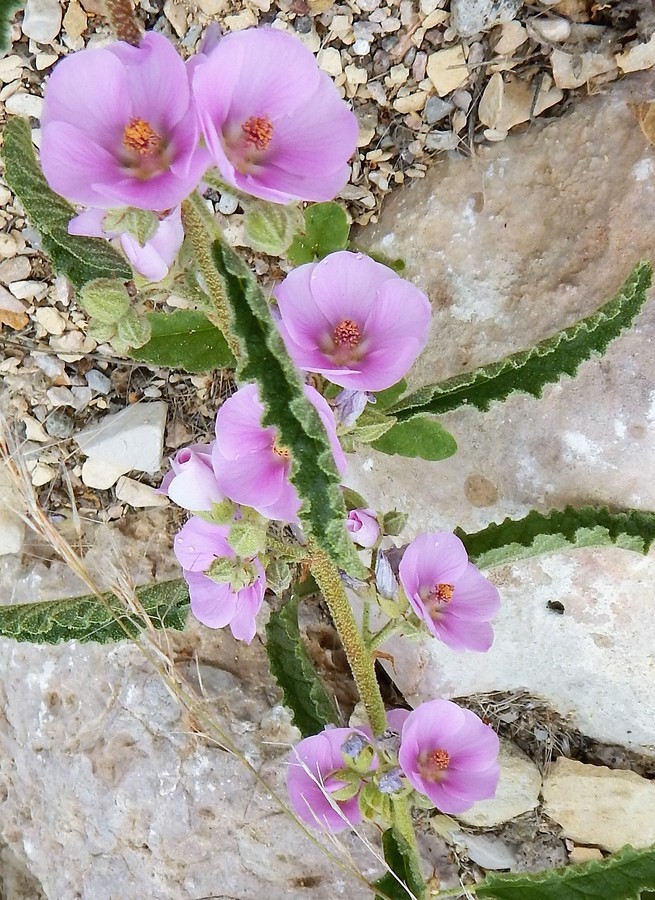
(385, 632)
(292, 552)
(359, 656)
(201, 231)
(402, 820)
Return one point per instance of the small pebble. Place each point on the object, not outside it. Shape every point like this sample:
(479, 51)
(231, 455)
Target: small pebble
(42, 20)
(28, 290)
(42, 474)
(50, 319)
(59, 424)
(60, 396)
(8, 248)
(303, 24)
(437, 109)
(227, 204)
(441, 140)
(23, 104)
(98, 382)
(16, 269)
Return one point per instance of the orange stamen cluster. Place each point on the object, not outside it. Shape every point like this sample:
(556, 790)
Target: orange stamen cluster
(439, 759)
(347, 334)
(258, 132)
(443, 592)
(141, 137)
(282, 452)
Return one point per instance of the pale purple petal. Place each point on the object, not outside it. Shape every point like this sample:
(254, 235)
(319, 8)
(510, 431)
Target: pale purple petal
(462, 634)
(66, 153)
(194, 485)
(198, 543)
(153, 259)
(89, 223)
(238, 424)
(345, 285)
(312, 763)
(475, 596)
(432, 559)
(254, 479)
(362, 525)
(326, 416)
(212, 603)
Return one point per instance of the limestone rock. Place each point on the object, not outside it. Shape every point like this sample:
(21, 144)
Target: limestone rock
(468, 17)
(506, 104)
(597, 805)
(447, 70)
(42, 20)
(130, 491)
(511, 247)
(517, 793)
(12, 528)
(129, 440)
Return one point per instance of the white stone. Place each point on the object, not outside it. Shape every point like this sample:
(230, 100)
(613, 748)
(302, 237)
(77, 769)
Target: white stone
(34, 430)
(641, 56)
(136, 494)
(329, 59)
(11, 68)
(101, 474)
(571, 71)
(8, 248)
(75, 20)
(213, 7)
(18, 268)
(506, 104)
(488, 851)
(512, 35)
(596, 805)
(552, 29)
(28, 290)
(130, 440)
(447, 69)
(487, 260)
(517, 793)
(12, 527)
(468, 17)
(51, 319)
(24, 104)
(42, 474)
(42, 20)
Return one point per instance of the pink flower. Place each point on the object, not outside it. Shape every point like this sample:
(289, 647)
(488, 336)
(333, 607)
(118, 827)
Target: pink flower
(217, 604)
(353, 320)
(191, 483)
(311, 779)
(454, 600)
(363, 526)
(118, 127)
(274, 124)
(450, 755)
(251, 467)
(154, 258)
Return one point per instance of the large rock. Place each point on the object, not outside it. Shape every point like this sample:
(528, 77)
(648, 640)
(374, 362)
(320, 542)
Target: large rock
(512, 246)
(108, 790)
(596, 805)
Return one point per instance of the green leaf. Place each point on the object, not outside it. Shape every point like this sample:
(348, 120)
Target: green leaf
(264, 360)
(270, 227)
(370, 431)
(141, 224)
(399, 858)
(536, 533)
(105, 300)
(530, 370)
(326, 230)
(184, 339)
(385, 399)
(89, 619)
(7, 10)
(82, 259)
(622, 876)
(421, 436)
(304, 692)
(132, 332)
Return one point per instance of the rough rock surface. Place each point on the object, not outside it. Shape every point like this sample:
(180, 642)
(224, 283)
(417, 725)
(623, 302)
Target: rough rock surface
(107, 791)
(518, 791)
(596, 805)
(512, 246)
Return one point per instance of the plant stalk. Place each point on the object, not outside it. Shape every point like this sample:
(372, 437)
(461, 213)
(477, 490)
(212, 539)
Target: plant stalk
(359, 656)
(199, 231)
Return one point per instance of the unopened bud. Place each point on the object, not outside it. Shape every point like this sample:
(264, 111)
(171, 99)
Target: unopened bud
(105, 300)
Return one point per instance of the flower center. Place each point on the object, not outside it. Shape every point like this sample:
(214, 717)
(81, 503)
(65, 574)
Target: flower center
(432, 764)
(257, 132)
(141, 137)
(443, 592)
(347, 334)
(281, 451)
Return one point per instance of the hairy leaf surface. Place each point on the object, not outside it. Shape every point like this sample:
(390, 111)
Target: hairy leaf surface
(81, 259)
(184, 339)
(530, 370)
(304, 692)
(89, 619)
(622, 876)
(264, 359)
(398, 857)
(536, 533)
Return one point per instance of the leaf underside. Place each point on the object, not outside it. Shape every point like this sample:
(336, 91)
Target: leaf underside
(537, 533)
(399, 859)
(304, 692)
(184, 339)
(89, 619)
(622, 876)
(528, 371)
(264, 360)
(81, 259)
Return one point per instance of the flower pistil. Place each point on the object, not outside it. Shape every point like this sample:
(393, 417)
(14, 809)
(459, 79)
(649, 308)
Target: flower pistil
(432, 764)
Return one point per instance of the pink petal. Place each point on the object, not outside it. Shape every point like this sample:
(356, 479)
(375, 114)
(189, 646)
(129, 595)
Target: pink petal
(475, 597)
(432, 559)
(212, 604)
(198, 543)
(303, 319)
(255, 479)
(89, 223)
(238, 424)
(344, 285)
(462, 634)
(75, 166)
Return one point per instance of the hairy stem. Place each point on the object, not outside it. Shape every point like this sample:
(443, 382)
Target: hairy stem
(200, 228)
(359, 657)
(384, 633)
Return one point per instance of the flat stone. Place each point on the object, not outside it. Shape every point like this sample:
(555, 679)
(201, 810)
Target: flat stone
(51, 319)
(596, 805)
(17, 269)
(517, 793)
(23, 104)
(12, 527)
(468, 17)
(136, 494)
(447, 70)
(129, 440)
(511, 247)
(101, 474)
(506, 104)
(42, 20)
